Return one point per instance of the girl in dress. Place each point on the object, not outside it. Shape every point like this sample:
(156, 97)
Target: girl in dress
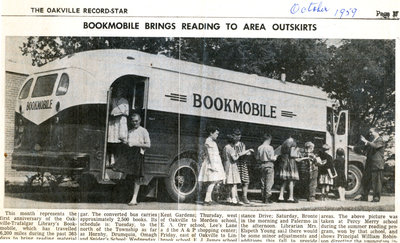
(340, 180)
(231, 158)
(326, 172)
(288, 168)
(118, 122)
(211, 170)
(240, 148)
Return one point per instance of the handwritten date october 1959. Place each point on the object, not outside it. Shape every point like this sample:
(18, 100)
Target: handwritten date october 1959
(320, 7)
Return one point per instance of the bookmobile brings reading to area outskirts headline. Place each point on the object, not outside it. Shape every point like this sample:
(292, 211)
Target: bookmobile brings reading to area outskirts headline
(199, 26)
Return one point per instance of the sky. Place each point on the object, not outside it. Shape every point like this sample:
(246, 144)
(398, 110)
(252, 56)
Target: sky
(15, 61)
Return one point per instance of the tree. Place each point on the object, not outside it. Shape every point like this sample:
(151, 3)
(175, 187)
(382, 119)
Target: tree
(358, 74)
(45, 49)
(362, 81)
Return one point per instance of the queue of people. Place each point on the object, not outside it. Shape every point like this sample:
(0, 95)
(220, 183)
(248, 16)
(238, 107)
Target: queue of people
(232, 169)
(126, 147)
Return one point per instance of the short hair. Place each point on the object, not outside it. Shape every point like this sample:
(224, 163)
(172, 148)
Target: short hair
(135, 115)
(375, 129)
(309, 145)
(267, 135)
(340, 152)
(211, 129)
(230, 138)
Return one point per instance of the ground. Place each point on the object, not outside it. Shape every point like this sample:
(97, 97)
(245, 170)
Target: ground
(69, 197)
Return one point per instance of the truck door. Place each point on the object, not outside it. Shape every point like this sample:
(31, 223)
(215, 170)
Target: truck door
(341, 134)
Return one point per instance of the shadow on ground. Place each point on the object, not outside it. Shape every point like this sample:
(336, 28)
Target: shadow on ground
(71, 193)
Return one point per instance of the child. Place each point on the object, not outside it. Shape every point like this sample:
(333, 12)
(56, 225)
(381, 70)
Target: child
(211, 170)
(311, 159)
(288, 169)
(340, 180)
(118, 123)
(326, 172)
(266, 157)
(231, 157)
(240, 147)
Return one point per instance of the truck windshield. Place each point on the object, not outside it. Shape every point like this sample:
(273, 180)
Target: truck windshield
(25, 90)
(44, 85)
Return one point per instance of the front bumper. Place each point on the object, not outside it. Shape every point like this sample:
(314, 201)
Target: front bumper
(56, 162)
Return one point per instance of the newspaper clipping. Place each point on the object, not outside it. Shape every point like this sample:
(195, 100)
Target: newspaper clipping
(214, 121)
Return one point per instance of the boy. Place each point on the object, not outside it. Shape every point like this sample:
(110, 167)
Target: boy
(266, 157)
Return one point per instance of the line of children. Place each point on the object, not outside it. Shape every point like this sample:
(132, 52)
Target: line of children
(322, 169)
(325, 172)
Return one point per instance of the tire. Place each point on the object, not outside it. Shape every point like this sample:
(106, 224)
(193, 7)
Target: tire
(181, 183)
(87, 184)
(354, 177)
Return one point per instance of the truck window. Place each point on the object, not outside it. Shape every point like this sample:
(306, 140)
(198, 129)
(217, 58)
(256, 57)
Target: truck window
(138, 96)
(25, 90)
(44, 85)
(63, 85)
(329, 120)
(341, 128)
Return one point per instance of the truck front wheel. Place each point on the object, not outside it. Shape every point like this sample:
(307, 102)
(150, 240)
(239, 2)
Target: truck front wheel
(181, 183)
(354, 177)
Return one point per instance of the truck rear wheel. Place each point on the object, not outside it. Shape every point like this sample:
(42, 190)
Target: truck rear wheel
(354, 177)
(181, 183)
(87, 183)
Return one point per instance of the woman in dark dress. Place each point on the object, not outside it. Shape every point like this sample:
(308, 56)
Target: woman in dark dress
(130, 159)
(340, 180)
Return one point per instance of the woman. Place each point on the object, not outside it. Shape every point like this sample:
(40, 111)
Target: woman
(211, 170)
(288, 169)
(130, 159)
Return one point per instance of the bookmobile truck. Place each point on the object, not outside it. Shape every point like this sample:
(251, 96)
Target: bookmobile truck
(62, 114)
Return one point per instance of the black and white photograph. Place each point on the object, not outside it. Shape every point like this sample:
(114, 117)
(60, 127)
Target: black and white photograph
(210, 124)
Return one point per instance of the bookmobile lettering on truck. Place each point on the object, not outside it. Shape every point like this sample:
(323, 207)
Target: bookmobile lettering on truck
(62, 116)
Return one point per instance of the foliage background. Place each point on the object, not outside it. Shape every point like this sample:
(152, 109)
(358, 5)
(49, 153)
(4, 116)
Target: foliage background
(359, 75)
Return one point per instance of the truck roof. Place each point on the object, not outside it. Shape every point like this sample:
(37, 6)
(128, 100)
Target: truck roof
(90, 60)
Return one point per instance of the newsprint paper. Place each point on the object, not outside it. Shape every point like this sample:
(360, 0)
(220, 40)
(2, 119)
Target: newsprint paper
(199, 121)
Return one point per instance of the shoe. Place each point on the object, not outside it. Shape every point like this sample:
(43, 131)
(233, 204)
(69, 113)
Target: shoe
(293, 201)
(364, 199)
(281, 201)
(132, 204)
(207, 203)
(246, 201)
(237, 202)
(375, 200)
(311, 199)
(268, 201)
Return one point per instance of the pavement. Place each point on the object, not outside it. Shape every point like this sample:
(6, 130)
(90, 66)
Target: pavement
(70, 198)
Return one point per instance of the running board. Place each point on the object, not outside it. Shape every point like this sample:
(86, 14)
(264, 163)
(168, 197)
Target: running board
(107, 182)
